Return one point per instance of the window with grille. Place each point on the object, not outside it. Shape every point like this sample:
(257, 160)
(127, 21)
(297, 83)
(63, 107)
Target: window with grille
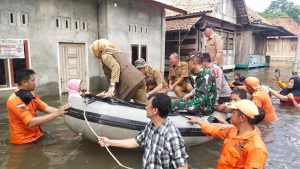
(144, 52)
(10, 67)
(134, 53)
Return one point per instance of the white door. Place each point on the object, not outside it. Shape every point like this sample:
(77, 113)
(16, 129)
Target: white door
(72, 64)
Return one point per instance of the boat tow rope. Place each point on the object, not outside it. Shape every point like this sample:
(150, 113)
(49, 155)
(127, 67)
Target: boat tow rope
(111, 154)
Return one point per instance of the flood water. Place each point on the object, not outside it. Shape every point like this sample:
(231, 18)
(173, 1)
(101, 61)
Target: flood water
(60, 148)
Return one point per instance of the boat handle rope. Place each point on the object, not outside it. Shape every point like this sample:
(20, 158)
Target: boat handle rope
(111, 154)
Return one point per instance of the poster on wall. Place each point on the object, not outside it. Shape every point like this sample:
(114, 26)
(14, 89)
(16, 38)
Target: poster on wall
(11, 49)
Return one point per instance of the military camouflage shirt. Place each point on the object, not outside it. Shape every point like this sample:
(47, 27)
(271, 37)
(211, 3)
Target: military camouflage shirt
(204, 97)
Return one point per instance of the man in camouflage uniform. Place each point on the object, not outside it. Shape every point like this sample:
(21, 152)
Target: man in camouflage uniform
(203, 97)
(178, 76)
(154, 80)
(223, 89)
(214, 45)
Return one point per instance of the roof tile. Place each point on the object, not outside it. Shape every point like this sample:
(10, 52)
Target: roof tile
(287, 23)
(181, 24)
(193, 6)
(256, 18)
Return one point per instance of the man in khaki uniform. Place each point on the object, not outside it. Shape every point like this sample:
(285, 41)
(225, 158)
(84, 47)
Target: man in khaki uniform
(154, 81)
(214, 45)
(126, 82)
(178, 76)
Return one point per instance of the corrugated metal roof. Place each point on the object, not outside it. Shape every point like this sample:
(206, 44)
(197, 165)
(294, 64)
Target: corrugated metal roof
(181, 24)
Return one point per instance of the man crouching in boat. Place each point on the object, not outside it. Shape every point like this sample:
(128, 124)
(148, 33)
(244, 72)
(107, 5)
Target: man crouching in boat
(154, 80)
(161, 140)
(243, 146)
(22, 106)
(126, 82)
(202, 98)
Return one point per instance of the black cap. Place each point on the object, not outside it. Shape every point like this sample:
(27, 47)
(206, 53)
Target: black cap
(193, 54)
(205, 55)
(207, 25)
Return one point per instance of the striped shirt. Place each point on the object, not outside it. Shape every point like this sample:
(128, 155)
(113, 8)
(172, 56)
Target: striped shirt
(164, 146)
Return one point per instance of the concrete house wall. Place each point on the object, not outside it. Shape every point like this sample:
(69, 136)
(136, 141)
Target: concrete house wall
(43, 36)
(114, 25)
(103, 19)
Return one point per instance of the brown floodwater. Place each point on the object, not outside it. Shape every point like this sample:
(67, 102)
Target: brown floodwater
(60, 148)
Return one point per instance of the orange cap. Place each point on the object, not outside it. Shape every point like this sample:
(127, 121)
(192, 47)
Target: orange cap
(247, 107)
(253, 82)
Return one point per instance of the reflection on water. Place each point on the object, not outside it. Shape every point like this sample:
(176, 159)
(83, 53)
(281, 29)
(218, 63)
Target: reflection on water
(24, 156)
(60, 148)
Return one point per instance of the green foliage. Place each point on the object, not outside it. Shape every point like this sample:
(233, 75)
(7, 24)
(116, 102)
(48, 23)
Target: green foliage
(279, 8)
(273, 15)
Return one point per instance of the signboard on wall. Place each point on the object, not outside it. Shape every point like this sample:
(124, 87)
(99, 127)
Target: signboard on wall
(11, 49)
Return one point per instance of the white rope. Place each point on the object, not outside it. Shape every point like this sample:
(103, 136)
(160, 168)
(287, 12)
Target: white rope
(120, 164)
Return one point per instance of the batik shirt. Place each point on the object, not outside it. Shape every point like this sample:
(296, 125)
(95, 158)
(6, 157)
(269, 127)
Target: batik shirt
(204, 97)
(164, 146)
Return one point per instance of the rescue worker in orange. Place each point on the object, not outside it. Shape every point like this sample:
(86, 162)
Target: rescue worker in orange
(243, 147)
(178, 76)
(154, 80)
(261, 98)
(126, 82)
(214, 45)
(22, 106)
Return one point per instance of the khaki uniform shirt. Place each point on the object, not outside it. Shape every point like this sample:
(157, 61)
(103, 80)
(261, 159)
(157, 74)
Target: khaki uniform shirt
(178, 72)
(153, 78)
(214, 47)
(109, 61)
(124, 75)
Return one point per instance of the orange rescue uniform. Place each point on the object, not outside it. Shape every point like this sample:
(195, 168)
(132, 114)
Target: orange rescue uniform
(246, 151)
(19, 116)
(262, 99)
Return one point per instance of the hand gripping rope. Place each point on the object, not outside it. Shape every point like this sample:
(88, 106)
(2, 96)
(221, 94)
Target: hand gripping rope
(111, 154)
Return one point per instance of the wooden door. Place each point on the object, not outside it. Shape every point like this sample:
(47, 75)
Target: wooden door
(72, 64)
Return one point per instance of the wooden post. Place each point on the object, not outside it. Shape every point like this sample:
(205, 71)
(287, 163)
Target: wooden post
(197, 39)
(297, 57)
(179, 43)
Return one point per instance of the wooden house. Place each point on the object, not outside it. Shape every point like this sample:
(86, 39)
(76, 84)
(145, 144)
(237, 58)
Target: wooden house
(283, 48)
(251, 48)
(182, 30)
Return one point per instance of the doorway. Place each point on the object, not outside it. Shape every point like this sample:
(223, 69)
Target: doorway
(72, 64)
